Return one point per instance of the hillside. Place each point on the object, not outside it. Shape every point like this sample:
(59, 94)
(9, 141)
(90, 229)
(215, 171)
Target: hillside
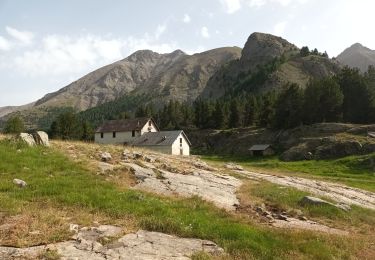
(268, 62)
(357, 56)
(77, 206)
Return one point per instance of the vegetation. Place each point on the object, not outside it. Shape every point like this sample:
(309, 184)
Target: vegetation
(347, 97)
(288, 199)
(355, 171)
(14, 125)
(55, 180)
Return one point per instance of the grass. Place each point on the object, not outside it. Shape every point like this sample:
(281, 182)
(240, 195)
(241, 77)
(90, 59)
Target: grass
(288, 199)
(353, 170)
(55, 181)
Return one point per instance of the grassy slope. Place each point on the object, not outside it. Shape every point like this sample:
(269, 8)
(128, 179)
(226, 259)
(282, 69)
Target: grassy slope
(56, 182)
(351, 170)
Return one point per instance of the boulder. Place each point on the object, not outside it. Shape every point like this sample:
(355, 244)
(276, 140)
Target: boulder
(27, 138)
(105, 157)
(20, 183)
(41, 138)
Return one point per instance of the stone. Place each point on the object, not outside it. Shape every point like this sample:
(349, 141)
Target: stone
(104, 167)
(27, 138)
(41, 138)
(149, 159)
(217, 188)
(105, 157)
(308, 200)
(73, 228)
(232, 166)
(140, 245)
(20, 183)
(137, 155)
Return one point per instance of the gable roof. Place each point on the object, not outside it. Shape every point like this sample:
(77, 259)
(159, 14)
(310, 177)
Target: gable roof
(124, 125)
(163, 138)
(259, 147)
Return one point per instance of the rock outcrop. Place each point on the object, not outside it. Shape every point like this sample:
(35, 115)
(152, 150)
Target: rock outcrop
(88, 243)
(37, 138)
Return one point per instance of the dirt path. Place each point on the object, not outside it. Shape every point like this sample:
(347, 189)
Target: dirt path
(337, 192)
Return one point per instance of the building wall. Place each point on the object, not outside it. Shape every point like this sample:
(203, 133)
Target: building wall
(121, 137)
(147, 128)
(177, 146)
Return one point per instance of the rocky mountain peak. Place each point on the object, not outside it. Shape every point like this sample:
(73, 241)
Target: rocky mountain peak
(357, 56)
(143, 55)
(261, 48)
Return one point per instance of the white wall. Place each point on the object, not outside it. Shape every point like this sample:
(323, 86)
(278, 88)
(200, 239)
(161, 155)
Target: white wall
(176, 146)
(121, 137)
(146, 128)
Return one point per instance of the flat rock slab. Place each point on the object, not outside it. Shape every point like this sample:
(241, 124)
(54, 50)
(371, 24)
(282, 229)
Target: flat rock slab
(217, 188)
(337, 192)
(142, 245)
(294, 223)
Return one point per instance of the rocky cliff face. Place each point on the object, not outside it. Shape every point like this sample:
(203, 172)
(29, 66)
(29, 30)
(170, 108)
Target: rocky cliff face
(274, 57)
(357, 56)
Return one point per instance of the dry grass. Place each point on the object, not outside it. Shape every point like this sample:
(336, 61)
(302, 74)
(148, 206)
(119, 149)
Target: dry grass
(39, 224)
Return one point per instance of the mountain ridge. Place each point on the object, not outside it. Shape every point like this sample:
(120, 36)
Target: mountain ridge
(357, 56)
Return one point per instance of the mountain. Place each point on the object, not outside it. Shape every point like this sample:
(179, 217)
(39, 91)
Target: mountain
(174, 75)
(268, 62)
(162, 77)
(357, 56)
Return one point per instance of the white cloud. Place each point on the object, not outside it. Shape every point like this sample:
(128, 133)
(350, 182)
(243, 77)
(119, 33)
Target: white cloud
(186, 18)
(279, 28)
(231, 6)
(259, 3)
(160, 30)
(23, 37)
(204, 32)
(5, 45)
(63, 55)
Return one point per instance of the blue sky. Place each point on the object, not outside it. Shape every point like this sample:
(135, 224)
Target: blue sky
(46, 44)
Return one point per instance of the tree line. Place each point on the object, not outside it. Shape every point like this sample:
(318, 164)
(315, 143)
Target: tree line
(346, 97)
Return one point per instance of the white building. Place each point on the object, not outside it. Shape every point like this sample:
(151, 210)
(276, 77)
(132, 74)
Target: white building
(124, 131)
(145, 133)
(170, 142)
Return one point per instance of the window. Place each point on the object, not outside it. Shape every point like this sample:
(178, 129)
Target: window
(149, 123)
(114, 134)
(133, 133)
(180, 140)
(101, 135)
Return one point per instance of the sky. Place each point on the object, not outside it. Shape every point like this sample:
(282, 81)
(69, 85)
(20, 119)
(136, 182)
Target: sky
(47, 44)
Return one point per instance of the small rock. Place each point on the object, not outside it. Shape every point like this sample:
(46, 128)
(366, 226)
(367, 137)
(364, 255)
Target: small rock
(73, 228)
(137, 155)
(149, 159)
(281, 217)
(232, 166)
(105, 167)
(106, 157)
(20, 183)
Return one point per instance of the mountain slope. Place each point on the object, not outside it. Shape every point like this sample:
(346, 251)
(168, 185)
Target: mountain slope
(174, 75)
(268, 62)
(357, 56)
